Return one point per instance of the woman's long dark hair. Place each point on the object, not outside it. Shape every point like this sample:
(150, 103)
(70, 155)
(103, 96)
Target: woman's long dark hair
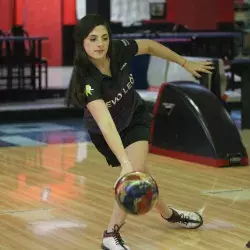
(75, 92)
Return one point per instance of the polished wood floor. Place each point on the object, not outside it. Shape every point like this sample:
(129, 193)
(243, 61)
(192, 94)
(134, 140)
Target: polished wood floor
(60, 197)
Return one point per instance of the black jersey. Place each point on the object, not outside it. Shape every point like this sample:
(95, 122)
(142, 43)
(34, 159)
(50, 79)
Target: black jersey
(118, 91)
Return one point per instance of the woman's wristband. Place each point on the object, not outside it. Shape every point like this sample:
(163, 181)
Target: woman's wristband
(184, 63)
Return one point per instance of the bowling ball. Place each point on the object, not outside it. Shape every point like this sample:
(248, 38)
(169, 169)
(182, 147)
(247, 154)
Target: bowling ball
(136, 193)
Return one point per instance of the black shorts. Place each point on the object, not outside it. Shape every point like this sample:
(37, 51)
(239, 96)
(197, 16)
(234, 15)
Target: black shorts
(138, 130)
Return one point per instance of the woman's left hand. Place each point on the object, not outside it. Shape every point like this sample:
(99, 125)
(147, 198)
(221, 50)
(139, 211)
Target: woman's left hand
(196, 67)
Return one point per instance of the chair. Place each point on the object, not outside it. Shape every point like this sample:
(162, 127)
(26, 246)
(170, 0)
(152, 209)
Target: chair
(23, 54)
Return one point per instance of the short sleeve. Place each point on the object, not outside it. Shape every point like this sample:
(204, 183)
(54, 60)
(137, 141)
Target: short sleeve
(125, 49)
(92, 90)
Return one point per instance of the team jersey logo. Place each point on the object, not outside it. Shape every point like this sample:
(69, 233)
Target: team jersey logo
(88, 90)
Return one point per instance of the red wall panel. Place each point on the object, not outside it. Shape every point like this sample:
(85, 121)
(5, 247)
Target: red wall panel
(196, 14)
(69, 12)
(225, 11)
(6, 16)
(43, 18)
(172, 9)
(19, 11)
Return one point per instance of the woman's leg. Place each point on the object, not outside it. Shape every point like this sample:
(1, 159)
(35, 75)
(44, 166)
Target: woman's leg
(118, 217)
(137, 154)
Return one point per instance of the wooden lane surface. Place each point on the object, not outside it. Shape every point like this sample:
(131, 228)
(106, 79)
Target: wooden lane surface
(52, 199)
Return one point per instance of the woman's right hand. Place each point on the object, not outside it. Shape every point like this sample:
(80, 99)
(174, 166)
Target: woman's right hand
(126, 168)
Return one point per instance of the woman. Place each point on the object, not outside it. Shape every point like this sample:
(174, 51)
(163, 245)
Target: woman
(115, 115)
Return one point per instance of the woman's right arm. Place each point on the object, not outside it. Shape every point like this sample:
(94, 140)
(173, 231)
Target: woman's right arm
(101, 114)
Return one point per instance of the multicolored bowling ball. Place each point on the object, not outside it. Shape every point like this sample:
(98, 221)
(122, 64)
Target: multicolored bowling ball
(136, 193)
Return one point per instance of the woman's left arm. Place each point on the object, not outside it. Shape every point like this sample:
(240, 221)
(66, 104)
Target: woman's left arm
(158, 50)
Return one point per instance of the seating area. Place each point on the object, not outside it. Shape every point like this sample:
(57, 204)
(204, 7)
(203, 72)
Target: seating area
(22, 67)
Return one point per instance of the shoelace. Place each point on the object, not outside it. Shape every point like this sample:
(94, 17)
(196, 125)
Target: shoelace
(117, 237)
(181, 218)
(185, 219)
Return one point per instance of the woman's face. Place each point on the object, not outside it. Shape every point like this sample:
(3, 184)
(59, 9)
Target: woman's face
(97, 42)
